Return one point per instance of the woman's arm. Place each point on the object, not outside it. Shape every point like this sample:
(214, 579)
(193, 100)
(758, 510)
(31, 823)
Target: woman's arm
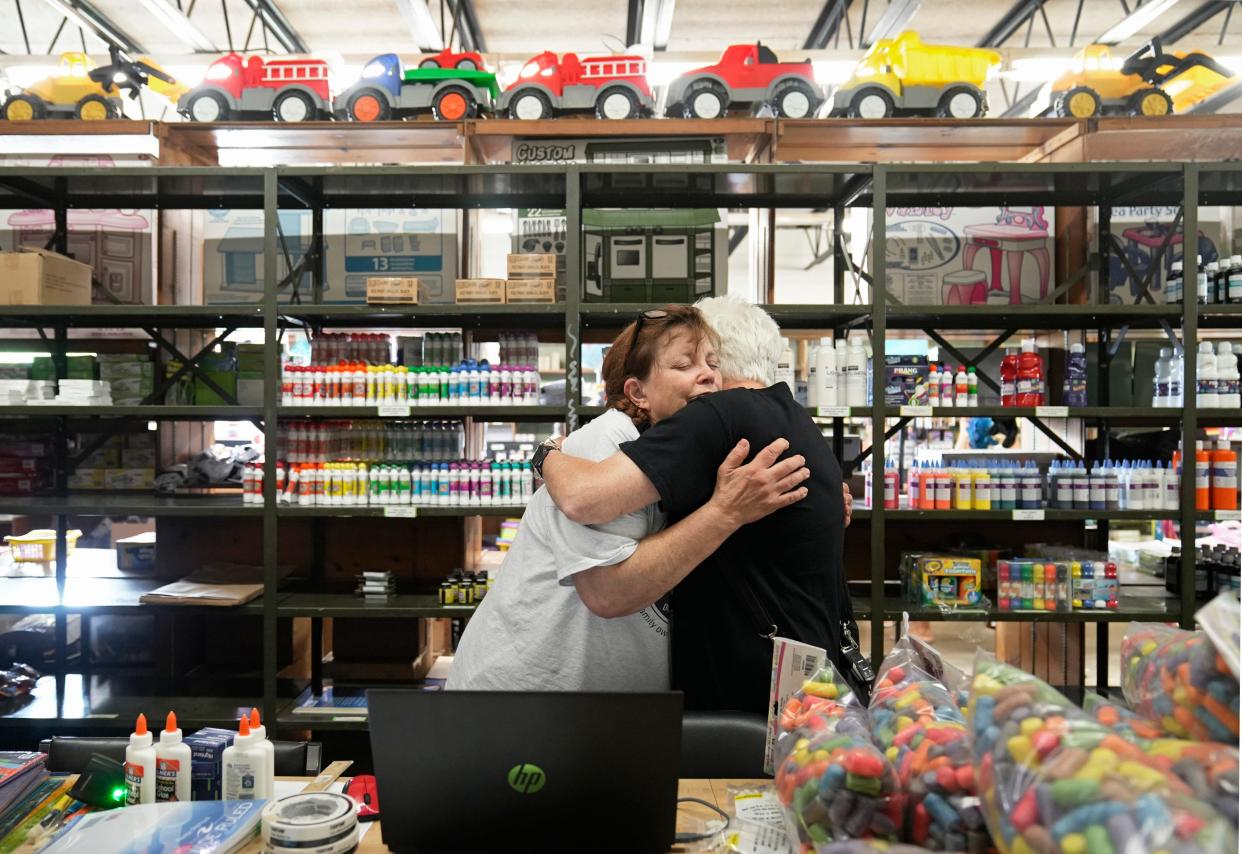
(743, 494)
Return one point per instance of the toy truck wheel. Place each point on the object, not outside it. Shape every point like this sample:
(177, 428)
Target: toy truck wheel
(871, 104)
(616, 103)
(429, 63)
(706, 101)
(95, 108)
(960, 103)
(368, 105)
(294, 106)
(1081, 102)
(24, 108)
(454, 104)
(208, 107)
(466, 65)
(1150, 102)
(794, 100)
(530, 104)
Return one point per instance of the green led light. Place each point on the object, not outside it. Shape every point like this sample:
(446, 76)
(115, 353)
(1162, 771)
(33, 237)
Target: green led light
(118, 794)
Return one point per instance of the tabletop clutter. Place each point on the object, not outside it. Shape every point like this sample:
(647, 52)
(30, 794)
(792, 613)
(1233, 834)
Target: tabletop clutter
(999, 760)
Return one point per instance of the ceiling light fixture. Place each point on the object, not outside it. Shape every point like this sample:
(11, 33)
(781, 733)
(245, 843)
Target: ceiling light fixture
(179, 25)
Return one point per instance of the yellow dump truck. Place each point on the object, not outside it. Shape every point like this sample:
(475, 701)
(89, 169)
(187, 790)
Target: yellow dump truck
(903, 76)
(1148, 82)
(85, 91)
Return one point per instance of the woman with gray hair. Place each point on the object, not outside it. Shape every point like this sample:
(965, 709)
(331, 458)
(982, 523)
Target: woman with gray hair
(782, 575)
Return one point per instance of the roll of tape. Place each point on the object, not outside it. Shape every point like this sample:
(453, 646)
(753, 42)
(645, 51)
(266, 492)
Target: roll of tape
(347, 842)
(308, 819)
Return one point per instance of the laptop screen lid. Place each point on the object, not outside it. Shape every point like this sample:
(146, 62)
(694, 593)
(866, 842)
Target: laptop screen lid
(487, 771)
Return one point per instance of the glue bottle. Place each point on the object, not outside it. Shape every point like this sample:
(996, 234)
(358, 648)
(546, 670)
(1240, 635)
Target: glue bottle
(172, 764)
(259, 732)
(140, 766)
(243, 767)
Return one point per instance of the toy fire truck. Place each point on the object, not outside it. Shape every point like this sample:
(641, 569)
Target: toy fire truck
(614, 86)
(747, 75)
(387, 90)
(288, 90)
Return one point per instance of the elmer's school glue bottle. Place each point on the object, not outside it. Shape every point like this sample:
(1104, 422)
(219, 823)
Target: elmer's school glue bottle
(140, 766)
(269, 751)
(243, 767)
(172, 764)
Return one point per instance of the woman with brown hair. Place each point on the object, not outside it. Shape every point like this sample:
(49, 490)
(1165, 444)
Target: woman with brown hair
(576, 607)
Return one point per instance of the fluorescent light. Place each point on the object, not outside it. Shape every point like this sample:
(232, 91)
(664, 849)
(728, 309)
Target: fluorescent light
(832, 71)
(657, 23)
(1136, 20)
(422, 27)
(63, 8)
(179, 25)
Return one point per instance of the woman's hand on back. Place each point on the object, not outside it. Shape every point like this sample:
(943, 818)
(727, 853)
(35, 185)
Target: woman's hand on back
(746, 493)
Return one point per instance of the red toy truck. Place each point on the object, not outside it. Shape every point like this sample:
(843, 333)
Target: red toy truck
(747, 74)
(614, 86)
(288, 90)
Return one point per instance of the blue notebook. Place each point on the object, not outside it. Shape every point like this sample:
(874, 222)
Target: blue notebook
(187, 827)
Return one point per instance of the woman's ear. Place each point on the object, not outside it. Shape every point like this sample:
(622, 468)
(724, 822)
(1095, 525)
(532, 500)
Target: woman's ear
(634, 390)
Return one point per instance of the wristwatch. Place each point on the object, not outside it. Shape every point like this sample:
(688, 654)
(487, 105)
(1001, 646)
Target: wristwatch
(546, 447)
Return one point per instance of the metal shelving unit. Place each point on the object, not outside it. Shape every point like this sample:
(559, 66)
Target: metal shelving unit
(826, 186)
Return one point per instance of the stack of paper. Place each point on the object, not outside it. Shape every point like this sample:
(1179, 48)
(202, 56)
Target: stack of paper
(20, 392)
(376, 586)
(83, 393)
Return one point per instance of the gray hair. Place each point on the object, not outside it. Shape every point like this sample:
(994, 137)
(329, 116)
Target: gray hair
(750, 340)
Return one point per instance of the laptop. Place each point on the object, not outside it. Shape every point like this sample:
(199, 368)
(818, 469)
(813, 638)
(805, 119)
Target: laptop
(462, 771)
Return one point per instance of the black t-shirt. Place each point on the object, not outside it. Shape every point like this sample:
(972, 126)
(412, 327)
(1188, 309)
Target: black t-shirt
(783, 572)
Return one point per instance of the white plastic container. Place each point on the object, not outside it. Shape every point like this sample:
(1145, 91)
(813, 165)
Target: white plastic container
(784, 368)
(961, 388)
(259, 733)
(244, 767)
(856, 375)
(1228, 394)
(826, 373)
(1206, 377)
(172, 764)
(140, 766)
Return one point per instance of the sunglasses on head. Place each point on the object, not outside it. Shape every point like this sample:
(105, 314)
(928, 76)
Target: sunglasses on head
(650, 314)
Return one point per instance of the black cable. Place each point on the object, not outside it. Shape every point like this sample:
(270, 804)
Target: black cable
(699, 837)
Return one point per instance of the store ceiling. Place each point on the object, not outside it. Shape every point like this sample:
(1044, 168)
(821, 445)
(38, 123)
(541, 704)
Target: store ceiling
(517, 28)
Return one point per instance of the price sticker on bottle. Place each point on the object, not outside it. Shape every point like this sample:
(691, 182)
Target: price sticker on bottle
(833, 412)
(394, 410)
(400, 512)
(916, 412)
(1028, 515)
(1052, 412)
(1229, 515)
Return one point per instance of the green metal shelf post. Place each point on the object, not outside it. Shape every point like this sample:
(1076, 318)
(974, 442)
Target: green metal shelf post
(879, 329)
(1190, 427)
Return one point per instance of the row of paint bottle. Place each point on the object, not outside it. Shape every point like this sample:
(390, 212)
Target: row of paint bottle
(464, 483)
(1216, 476)
(838, 373)
(162, 772)
(370, 441)
(1109, 485)
(945, 387)
(1217, 282)
(1216, 376)
(1022, 376)
(972, 485)
(1024, 584)
(467, 383)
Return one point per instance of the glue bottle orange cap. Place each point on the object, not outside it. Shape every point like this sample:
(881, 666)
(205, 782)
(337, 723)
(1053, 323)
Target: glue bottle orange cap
(170, 723)
(243, 727)
(140, 726)
(254, 718)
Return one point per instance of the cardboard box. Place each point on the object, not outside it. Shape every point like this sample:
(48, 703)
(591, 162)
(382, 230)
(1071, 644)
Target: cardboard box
(205, 395)
(141, 440)
(136, 554)
(119, 478)
(103, 458)
(392, 290)
(530, 290)
(905, 381)
(532, 266)
(249, 390)
(87, 478)
(21, 484)
(33, 276)
(112, 371)
(481, 291)
(132, 387)
(138, 458)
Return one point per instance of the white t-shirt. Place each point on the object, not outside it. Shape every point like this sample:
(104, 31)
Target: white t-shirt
(533, 632)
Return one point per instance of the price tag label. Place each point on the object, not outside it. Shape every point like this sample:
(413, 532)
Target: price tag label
(1052, 412)
(833, 412)
(1229, 515)
(394, 410)
(1028, 515)
(916, 412)
(401, 512)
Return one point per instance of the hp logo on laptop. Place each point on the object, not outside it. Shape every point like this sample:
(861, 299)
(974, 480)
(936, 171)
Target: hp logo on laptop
(526, 778)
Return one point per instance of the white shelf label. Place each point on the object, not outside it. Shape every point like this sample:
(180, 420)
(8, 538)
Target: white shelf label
(1052, 412)
(400, 512)
(916, 412)
(833, 412)
(1028, 515)
(1229, 515)
(394, 410)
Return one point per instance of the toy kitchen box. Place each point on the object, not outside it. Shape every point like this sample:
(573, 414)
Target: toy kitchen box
(1142, 237)
(931, 579)
(649, 256)
(358, 244)
(969, 256)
